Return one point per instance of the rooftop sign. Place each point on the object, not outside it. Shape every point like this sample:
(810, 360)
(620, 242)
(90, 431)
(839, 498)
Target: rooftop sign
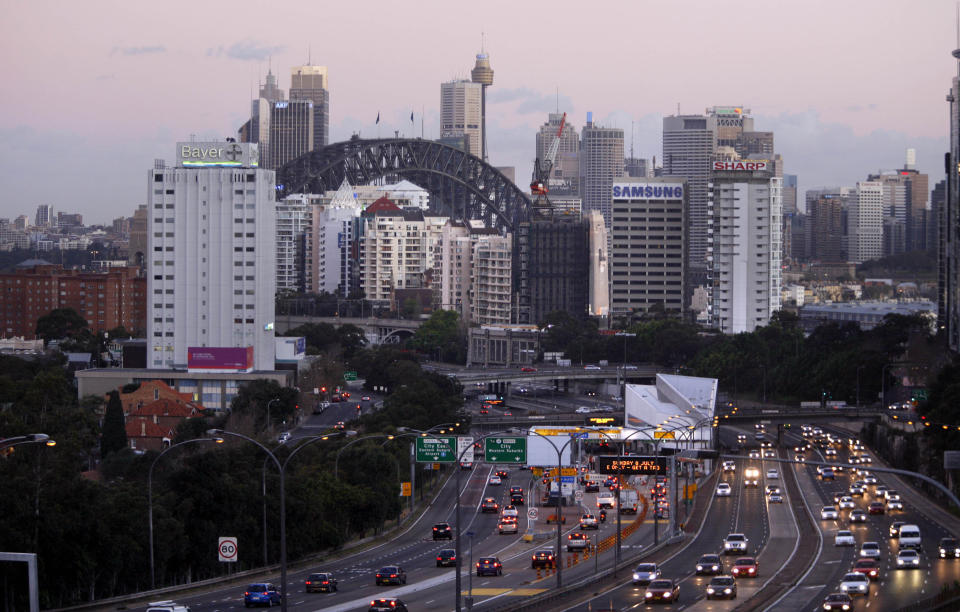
(648, 191)
(228, 154)
(741, 165)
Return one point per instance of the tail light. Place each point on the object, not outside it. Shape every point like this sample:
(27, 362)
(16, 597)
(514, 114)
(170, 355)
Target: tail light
(439, 559)
(308, 582)
(246, 593)
(326, 582)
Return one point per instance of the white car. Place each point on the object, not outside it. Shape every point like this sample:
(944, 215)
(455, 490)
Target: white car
(847, 503)
(729, 466)
(855, 583)
(894, 504)
(828, 513)
(735, 543)
(775, 498)
(723, 490)
(284, 437)
(510, 511)
(773, 474)
(869, 479)
(589, 521)
(908, 559)
(645, 573)
(494, 480)
(754, 454)
(870, 549)
(582, 410)
(844, 537)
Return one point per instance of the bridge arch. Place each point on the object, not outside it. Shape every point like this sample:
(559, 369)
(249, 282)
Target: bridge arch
(461, 186)
(396, 336)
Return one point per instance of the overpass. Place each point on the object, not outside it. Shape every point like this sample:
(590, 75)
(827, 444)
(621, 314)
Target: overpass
(377, 331)
(796, 415)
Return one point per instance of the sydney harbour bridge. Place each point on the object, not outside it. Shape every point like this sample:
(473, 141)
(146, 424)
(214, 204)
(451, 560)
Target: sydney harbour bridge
(461, 186)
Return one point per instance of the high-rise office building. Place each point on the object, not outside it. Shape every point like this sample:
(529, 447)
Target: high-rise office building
(474, 272)
(747, 208)
(565, 175)
(45, 216)
(601, 164)
(311, 83)
(284, 129)
(461, 114)
(212, 260)
(599, 296)
(294, 226)
(948, 281)
(482, 74)
(865, 222)
(551, 268)
(648, 255)
(826, 211)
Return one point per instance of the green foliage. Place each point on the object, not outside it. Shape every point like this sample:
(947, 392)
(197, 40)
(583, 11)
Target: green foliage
(441, 336)
(377, 365)
(114, 432)
(60, 323)
(913, 264)
(256, 399)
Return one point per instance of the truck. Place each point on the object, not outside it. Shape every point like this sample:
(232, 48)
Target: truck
(628, 501)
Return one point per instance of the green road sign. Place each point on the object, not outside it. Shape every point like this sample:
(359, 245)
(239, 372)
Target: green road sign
(349, 376)
(436, 449)
(505, 450)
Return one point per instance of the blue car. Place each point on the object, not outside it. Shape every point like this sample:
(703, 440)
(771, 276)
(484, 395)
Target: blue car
(261, 594)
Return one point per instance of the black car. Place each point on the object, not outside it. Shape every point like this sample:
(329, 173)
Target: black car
(516, 490)
(387, 604)
(591, 486)
(543, 558)
(391, 574)
(516, 499)
(321, 582)
(710, 564)
(722, 587)
(949, 548)
(447, 558)
(442, 531)
(489, 565)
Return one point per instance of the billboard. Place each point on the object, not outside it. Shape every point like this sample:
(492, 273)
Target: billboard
(220, 358)
(741, 165)
(542, 450)
(648, 191)
(214, 154)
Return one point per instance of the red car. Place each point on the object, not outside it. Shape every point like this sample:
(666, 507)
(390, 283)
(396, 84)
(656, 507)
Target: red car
(528, 369)
(484, 410)
(662, 590)
(876, 507)
(870, 567)
(745, 566)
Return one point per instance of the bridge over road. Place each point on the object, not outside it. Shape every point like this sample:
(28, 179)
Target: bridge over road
(377, 331)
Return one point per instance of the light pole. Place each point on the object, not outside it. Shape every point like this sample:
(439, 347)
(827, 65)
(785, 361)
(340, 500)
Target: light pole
(625, 336)
(281, 467)
(218, 440)
(35, 438)
(269, 426)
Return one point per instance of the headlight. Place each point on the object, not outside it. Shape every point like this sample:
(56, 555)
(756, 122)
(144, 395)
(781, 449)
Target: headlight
(715, 568)
(648, 595)
(826, 606)
(846, 607)
(668, 594)
(636, 576)
(728, 591)
(710, 591)
(943, 552)
(899, 561)
(700, 567)
(843, 588)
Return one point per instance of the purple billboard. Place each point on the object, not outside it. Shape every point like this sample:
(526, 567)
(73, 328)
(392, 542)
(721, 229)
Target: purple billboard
(220, 357)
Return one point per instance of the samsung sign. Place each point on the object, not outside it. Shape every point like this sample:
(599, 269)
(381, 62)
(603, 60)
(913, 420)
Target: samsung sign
(648, 191)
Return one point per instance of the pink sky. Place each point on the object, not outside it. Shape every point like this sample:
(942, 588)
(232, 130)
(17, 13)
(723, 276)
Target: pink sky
(94, 91)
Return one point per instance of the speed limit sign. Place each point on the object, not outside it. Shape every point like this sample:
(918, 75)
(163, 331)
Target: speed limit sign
(227, 550)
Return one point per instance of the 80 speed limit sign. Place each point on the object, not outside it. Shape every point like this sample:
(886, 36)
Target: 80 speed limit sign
(227, 550)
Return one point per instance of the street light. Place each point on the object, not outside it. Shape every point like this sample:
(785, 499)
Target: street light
(269, 426)
(35, 438)
(625, 336)
(217, 440)
(281, 467)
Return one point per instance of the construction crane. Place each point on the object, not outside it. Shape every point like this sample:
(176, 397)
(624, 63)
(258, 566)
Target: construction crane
(542, 169)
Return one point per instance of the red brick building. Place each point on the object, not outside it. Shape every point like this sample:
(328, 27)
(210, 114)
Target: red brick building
(105, 299)
(143, 434)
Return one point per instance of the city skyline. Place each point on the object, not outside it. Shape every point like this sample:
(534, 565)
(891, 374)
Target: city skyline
(132, 82)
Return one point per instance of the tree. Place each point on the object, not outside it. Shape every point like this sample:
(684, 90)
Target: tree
(441, 334)
(60, 323)
(114, 432)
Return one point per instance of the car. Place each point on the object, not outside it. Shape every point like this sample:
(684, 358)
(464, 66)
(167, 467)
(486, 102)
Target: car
(844, 537)
(880, 490)
(577, 542)
(868, 567)
(503, 474)
(284, 437)
(754, 454)
(769, 454)
(741, 439)
(528, 369)
(387, 604)
(489, 566)
(391, 574)
(466, 465)
(447, 557)
(771, 489)
(723, 489)
(591, 486)
(516, 490)
(335, 398)
(846, 502)
(827, 474)
(340, 425)
(838, 496)
(320, 582)
(759, 437)
(507, 526)
(729, 466)
(745, 566)
(869, 479)
(261, 594)
(606, 501)
(751, 477)
(484, 410)
(591, 367)
(828, 513)
(589, 521)
(646, 573)
(722, 587)
(855, 583)
(510, 511)
(516, 499)
(949, 548)
(662, 590)
(857, 488)
(710, 564)
(583, 410)
(442, 531)
(494, 481)
(876, 507)
(489, 504)
(837, 601)
(543, 558)
(858, 516)
(735, 543)
(830, 452)
(870, 550)
(775, 498)
(891, 494)
(908, 558)
(894, 504)
(895, 528)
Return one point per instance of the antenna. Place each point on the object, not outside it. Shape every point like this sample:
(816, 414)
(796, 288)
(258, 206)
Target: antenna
(631, 139)
(481, 41)
(678, 108)
(309, 57)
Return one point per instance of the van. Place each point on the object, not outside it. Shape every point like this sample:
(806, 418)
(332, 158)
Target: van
(910, 537)
(606, 500)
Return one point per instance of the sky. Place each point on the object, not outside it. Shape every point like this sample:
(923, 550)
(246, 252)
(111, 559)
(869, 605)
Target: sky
(95, 91)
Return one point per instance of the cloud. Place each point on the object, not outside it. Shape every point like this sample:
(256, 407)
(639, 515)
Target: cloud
(528, 101)
(146, 50)
(245, 50)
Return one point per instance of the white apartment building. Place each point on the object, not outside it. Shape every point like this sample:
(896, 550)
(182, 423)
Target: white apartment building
(212, 259)
(294, 222)
(599, 304)
(461, 113)
(475, 272)
(747, 204)
(865, 222)
(333, 268)
(397, 249)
